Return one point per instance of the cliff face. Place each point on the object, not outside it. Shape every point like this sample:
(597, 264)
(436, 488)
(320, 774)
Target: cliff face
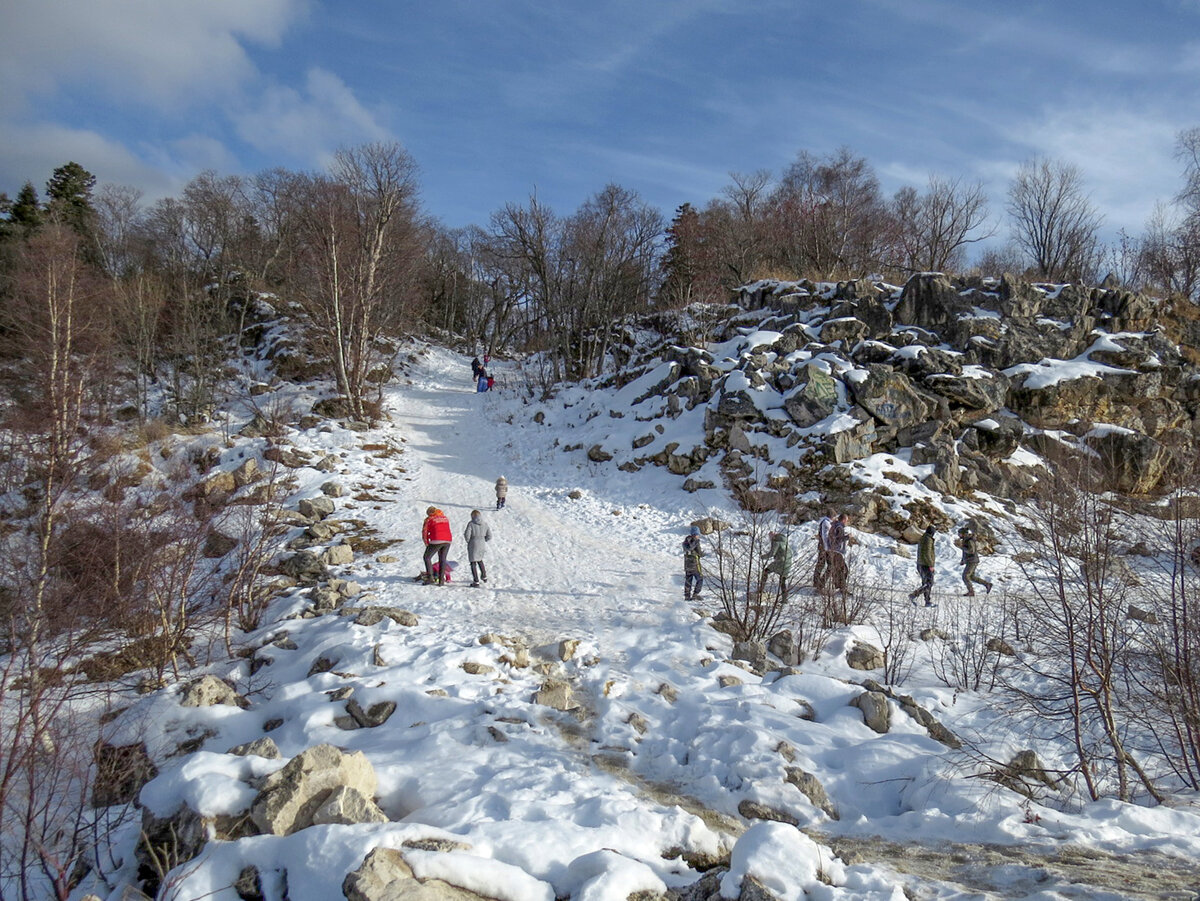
(968, 387)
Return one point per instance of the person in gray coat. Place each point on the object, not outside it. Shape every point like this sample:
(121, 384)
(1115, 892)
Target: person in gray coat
(477, 534)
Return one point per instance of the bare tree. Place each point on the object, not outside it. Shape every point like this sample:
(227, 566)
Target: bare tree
(1076, 678)
(1053, 220)
(360, 239)
(934, 228)
(830, 218)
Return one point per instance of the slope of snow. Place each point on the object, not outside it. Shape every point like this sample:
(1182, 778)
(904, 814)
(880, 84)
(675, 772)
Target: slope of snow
(663, 752)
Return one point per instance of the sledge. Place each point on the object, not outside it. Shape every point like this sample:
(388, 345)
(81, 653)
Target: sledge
(450, 567)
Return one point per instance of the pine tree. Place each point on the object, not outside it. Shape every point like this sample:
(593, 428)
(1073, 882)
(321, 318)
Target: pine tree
(26, 212)
(69, 198)
(678, 263)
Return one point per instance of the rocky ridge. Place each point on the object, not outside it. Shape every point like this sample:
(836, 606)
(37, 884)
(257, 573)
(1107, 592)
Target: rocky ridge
(943, 389)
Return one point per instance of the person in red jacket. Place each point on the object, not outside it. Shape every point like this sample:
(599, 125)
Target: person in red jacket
(436, 535)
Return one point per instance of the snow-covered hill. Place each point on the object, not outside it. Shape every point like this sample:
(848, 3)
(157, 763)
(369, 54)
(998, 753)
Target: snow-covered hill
(669, 758)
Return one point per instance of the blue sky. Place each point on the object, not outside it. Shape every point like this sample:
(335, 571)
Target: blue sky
(497, 98)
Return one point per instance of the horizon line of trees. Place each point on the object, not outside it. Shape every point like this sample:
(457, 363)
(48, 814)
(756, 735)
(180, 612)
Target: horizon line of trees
(356, 252)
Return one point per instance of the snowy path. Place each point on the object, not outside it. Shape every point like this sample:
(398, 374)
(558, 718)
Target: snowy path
(557, 567)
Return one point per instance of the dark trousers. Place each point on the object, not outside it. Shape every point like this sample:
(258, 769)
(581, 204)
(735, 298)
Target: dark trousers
(926, 574)
(478, 571)
(839, 572)
(819, 572)
(691, 584)
(441, 548)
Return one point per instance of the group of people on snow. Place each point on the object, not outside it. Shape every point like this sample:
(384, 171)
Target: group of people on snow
(437, 536)
(831, 573)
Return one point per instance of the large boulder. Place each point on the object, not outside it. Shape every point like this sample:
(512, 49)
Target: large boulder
(813, 398)
(291, 797)
(980, 390)
(931, 302)
(876, 713)
(1134, 464)
(890, 397)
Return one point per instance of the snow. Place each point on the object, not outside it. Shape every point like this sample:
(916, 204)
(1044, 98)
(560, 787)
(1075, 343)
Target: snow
(550, 804)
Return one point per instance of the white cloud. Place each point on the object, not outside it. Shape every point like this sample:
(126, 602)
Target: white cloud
(166, 53)
(27, 150)
(1126, 157)
(308, 125)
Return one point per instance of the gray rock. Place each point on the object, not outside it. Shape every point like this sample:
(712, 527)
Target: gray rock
(371, 616)
(338, 555)
(291, 796)
(305, 567)
(753, 810)
(333, 489)
(864, 656)
(753, 652)
(247, 473)
(260, 747)
(557, 694)
(876, 713)
(384, 876)
(597, 454)
(783, 645)
(315, 507)
(475, 668)
(567, 648)
(346, 806)
(814, 398)
(375, 715)
(209, 690)
(810, 786)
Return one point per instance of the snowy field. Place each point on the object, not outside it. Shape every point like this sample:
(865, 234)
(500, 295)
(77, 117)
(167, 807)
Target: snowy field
(671, 737)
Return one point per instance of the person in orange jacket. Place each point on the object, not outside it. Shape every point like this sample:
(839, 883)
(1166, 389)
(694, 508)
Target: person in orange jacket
(436, 535)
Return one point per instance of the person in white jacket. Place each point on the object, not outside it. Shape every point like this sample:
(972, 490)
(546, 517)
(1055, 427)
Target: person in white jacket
(477, 534)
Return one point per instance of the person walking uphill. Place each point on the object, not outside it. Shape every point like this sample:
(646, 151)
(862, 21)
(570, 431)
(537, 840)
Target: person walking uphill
(925, 561)
(477, 534)
(839, 538)
(821, 571)
(780, 555)
(501, 492)
(970, 559)
(436, 534)
(693, 575)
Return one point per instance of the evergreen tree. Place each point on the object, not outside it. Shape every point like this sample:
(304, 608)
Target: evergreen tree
(26, 212)
(69, 198)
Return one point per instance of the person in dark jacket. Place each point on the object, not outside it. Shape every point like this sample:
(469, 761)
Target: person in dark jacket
(435, 532)
(780, 561)
(476, 368)
(970, 560)
(821, 570)
(693, 574)
(477, 534)
(839, 539)
(926, 555)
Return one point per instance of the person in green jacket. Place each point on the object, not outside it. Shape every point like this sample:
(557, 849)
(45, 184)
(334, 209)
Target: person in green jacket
(925, 561)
